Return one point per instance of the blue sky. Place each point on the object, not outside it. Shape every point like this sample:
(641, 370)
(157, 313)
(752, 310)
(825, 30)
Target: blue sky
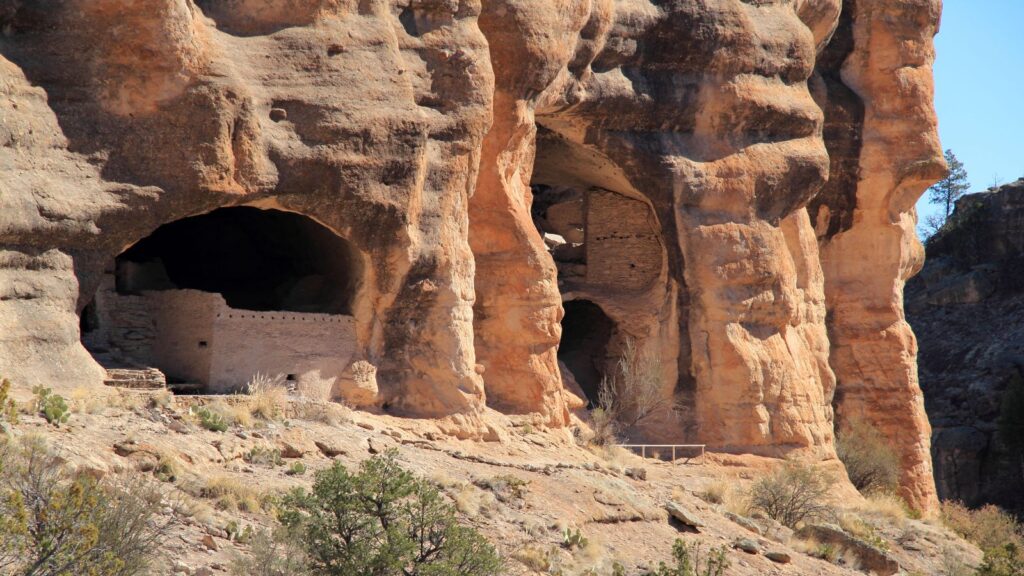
(979, 77)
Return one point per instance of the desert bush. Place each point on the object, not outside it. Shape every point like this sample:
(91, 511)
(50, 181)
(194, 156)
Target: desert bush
(871, 462)
(263, 456)
(273, 554)
(689, 560)
(989, 527)
(161, 399)
(382, 520)
(54, 522)
(168, 467)
(632, 395)
(52, 407)
(792, 494)
(1005, 560)
(605, 428)
(296, 469)
(714, 493)
(506, 488)
(8, 408)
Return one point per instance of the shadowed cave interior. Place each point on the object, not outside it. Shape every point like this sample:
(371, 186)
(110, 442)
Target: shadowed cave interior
(209, 300)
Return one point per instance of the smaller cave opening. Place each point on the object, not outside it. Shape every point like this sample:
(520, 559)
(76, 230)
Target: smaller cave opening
(559, 214)
(584, 348)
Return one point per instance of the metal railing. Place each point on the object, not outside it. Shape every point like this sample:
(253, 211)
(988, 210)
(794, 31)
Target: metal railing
(643, 450)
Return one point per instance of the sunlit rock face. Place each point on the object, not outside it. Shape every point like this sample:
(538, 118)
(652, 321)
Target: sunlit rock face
(531, 186)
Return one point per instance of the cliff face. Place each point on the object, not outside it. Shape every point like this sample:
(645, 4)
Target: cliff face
(967, 307)
(529, 186)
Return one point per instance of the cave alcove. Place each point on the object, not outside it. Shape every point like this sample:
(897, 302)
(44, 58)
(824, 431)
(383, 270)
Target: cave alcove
(212, 299)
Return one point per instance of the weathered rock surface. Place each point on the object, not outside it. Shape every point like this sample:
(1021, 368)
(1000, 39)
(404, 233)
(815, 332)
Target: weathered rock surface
(967, 307)
(876, 79)
(734, 182)
(869, 559)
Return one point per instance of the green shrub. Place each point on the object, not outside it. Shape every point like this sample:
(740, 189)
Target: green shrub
(212, 421)
(689, 561)
(51, 406)
(871, 462)
(57, 523)
(792, 494)
(383, 520)
(296, 469)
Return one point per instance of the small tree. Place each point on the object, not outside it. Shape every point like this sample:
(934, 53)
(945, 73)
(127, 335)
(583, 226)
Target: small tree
(872, 464)
(792, 494)
(383, 521)
(945, 192)
(54, 522)
(631, 396)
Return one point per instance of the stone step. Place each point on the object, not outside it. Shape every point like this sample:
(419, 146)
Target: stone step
(136, 379)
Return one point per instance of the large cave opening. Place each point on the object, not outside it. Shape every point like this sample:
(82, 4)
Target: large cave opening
(586, 336)
(210, 300)
(256, 259)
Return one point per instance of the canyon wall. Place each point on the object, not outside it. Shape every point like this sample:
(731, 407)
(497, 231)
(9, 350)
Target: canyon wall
(967, 308)
(729, 185)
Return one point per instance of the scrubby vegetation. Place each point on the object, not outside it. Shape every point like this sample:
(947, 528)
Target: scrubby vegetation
(871, 462)
(690, 560)
(792, 494)
(8, 408)
(997, 533)
(630, 396)
(381, 520)
(54, 522)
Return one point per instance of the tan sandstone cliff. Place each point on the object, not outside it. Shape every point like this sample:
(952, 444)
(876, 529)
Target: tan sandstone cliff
(729, 184)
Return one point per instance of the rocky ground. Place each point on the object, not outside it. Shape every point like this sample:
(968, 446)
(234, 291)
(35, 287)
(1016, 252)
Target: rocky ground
(619, 501)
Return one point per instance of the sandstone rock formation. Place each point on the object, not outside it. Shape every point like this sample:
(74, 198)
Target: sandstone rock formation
(733, 182)
(966, 307)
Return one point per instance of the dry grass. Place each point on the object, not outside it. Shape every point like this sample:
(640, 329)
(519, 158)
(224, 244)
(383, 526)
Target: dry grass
(537, 558)
(330, 413)
(86, 401)
(315, 388)
(268, 396)
(230, 494)
(231, 413)
(161, 400)
(473, 501)
(169, 467)
(716, 492)
(126, 400)
(885, 505)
